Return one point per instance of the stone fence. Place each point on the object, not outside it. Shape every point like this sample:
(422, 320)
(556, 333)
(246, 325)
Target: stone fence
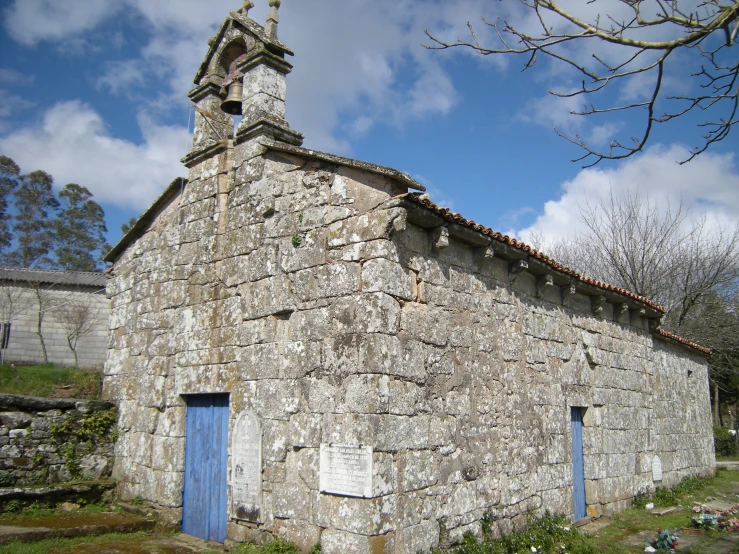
(46, 441)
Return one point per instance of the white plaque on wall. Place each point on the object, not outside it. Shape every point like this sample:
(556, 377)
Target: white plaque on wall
(656, 469)
(346, 470)
(246, 468)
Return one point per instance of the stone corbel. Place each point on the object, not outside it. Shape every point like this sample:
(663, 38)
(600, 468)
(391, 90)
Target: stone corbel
(654, 324)
(568, 291)
(515, 268)
(439, 238)
(599, 304)
(543, 284)
(621, 310)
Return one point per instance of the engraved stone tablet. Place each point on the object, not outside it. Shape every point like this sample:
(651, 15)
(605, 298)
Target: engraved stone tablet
(656, 469)
(246, 468)
(346, 470)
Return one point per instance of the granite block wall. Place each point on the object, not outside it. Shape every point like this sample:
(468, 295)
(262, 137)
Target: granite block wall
(305, 290)
(47, 441)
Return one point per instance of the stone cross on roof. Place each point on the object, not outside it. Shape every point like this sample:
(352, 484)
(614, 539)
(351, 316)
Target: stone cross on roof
(273, 18)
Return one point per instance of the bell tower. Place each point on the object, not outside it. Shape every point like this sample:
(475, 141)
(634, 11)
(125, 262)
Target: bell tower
(243, 74)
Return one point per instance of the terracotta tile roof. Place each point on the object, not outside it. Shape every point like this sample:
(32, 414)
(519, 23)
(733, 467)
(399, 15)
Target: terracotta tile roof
(684, 342)
(510, 241)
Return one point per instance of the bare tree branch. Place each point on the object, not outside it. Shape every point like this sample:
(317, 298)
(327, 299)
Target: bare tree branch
(78, 317)
(718, 74)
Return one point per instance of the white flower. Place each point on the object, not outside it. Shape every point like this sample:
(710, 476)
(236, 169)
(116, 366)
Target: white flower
(566, 529)
(649, 549)
(649, 506)
(533, 549)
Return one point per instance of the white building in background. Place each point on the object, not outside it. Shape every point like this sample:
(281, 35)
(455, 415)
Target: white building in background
(73, 310)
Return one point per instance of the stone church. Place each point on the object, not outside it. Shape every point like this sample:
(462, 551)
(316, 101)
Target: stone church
(306, 346)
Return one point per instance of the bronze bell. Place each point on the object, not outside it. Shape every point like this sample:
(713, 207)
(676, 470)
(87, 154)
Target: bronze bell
(232, 103)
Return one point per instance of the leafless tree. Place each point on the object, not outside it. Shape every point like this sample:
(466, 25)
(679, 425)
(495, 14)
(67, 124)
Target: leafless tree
(647, 34)
(45, 302)
(78, 317)
(654, 251)
(13, 302)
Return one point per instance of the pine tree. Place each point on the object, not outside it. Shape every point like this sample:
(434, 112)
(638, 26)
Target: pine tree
(9, 175)
(35, 206)
(126, 227)
(79, 230)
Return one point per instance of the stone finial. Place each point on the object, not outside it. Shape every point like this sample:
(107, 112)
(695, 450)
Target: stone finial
(248, 4)
(273, 18)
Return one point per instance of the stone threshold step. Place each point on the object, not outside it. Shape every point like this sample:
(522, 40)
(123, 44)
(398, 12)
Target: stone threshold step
(71, 525)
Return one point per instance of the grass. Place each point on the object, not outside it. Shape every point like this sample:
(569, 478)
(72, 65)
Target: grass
(35, 511)
(627, 532)
(47, 381)
(63, 546)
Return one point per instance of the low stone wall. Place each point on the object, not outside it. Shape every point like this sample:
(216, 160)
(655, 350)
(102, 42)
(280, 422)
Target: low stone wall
(46, 441)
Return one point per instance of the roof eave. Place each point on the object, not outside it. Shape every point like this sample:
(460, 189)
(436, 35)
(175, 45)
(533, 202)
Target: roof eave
(142, 223)
(382, 170)
(516, 250)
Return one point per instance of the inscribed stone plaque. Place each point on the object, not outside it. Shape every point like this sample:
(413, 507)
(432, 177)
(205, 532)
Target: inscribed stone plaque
(246, 468)
(346, 470)
(656, 469)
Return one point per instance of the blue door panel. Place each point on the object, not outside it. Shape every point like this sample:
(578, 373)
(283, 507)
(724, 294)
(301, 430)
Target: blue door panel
(578, 465)
(204, 498)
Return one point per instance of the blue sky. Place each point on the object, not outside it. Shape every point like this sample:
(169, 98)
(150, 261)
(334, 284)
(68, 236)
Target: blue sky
(94, 92)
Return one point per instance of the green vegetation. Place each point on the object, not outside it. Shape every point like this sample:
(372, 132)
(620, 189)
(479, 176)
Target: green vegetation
(63, 545)
(84, 430)
(725, 442)
(547, 534)
(277, 546)
(48, 381)
(552, 534)
(15, 509)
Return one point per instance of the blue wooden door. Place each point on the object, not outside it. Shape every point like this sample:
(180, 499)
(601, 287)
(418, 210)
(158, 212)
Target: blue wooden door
(204, 502)
(578, 465)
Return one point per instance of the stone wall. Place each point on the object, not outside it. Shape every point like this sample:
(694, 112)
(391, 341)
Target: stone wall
(46, 441)
(304, 290)
(25, 346)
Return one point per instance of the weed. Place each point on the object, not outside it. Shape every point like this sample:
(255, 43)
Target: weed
(277, 546)
(71, 462)
(14, 506)
(641, 500)
(92, 427)
(297, 240)
(37, 459)
(546, 534)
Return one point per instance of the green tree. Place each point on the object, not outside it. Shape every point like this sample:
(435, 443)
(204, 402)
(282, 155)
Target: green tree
(79, 230)
(9, 175)
(126, 227)
(35, 206)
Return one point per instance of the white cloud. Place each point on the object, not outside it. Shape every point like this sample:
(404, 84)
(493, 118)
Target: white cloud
(12, 77)
(708, 185)
(32, 21)
(354, 61)
(73, 144)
